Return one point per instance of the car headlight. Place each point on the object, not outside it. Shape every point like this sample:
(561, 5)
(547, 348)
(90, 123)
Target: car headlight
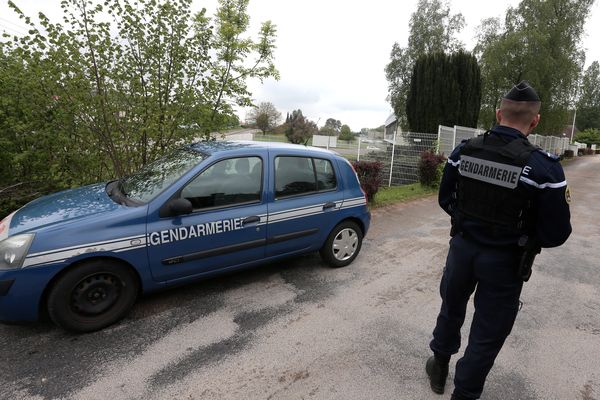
(13, 251)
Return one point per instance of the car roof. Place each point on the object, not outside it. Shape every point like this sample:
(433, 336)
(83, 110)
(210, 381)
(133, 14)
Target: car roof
(215, 147)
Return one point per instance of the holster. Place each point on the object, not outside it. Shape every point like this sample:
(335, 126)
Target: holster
(454, 228)
(455, 220)
(528, 251)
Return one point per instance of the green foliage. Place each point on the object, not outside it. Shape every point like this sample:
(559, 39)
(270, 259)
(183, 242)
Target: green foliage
(264, 116)
(298, 129)
(331, 128)
(346, 134)
(446, 90)
(118, 83)
(588, 118)
(539, 41)
(262, 123)
(589, 136)
(396, 194)
(588, 105)
(231, 121)
(433, 29)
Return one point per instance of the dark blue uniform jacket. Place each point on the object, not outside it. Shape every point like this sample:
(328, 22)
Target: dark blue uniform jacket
(543, 175)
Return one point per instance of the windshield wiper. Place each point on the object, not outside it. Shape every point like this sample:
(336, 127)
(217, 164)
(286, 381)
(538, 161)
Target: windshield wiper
(114, 191)
(121, 187)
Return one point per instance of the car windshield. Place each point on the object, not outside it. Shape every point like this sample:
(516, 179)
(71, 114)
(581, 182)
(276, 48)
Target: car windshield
(147, 183)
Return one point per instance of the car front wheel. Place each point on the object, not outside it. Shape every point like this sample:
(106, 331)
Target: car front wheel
(343, 244)
(92, 296)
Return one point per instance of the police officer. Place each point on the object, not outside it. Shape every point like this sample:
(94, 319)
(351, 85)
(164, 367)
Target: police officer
(507, 199)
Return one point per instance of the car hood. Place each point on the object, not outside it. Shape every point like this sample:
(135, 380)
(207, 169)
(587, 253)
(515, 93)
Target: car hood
(62, 207)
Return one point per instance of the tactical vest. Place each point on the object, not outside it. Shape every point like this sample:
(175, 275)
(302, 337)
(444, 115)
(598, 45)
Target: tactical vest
(488, 185)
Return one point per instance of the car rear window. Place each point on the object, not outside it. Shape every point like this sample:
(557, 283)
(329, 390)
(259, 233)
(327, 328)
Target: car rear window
(325, 174)
(301, 175)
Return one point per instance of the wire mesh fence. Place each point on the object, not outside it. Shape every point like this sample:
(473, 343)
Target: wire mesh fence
(446, 140)
(449, 138)
(551, 144)
(399, 154)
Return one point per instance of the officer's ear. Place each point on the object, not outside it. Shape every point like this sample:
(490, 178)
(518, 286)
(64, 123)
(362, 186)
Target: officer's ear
(534, 122)
(498, 115)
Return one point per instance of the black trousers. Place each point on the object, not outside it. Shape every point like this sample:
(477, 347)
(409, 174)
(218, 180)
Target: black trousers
(492, 273)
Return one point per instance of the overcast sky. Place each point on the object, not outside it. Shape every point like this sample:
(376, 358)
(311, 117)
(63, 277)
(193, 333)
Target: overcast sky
(331, 54)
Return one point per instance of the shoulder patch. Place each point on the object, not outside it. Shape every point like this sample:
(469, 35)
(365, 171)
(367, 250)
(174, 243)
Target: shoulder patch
(547, 155)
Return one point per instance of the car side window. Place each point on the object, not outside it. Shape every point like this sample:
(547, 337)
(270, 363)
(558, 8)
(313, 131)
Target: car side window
(325, 174)
(225, 183)
(294, 176)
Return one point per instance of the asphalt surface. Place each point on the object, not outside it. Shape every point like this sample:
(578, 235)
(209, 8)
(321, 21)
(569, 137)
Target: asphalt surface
(300, 330)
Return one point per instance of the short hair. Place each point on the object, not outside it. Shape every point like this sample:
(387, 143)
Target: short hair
(521, 112)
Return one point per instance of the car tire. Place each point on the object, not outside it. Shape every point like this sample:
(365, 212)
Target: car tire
(343, 244)
(92, 296)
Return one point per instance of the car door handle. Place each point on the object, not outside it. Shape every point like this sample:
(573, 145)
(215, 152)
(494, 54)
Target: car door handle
(329, 205)
(251, 220)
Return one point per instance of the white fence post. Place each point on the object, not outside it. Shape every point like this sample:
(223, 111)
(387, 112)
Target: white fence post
(454, 138)
(358, 155)
(392, 162)
(437, 150)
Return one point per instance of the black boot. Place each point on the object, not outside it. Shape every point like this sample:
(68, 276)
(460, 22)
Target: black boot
(437, 370)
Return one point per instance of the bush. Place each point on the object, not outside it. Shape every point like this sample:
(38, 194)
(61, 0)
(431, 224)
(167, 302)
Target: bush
(370, 176)
(589, 136)
(430, 167)
(568, 153)
(589, 151)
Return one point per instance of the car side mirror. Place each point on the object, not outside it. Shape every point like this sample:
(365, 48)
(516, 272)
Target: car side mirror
(175, 207)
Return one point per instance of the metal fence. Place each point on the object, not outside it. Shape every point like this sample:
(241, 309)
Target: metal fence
(449, 138)
(446, 140)
(400, 156)
(551, 144)
(399, 153)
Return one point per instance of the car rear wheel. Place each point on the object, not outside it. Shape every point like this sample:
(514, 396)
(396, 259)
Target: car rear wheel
(92, 296)
(343, 244)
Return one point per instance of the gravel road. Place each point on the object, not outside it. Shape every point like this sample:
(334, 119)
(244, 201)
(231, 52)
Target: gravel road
(300, 330)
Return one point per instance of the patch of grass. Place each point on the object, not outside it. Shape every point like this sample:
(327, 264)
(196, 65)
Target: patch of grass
(259, 137)
(396, 194)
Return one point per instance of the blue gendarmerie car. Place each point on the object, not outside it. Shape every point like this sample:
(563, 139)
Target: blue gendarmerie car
(84, 255)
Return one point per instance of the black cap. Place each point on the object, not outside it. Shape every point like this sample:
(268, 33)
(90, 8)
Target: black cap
(522, 92)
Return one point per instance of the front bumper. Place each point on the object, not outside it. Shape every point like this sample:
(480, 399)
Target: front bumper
(5, 286)
(21, 292)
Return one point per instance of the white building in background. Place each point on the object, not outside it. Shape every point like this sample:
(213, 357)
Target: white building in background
(390, 125)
